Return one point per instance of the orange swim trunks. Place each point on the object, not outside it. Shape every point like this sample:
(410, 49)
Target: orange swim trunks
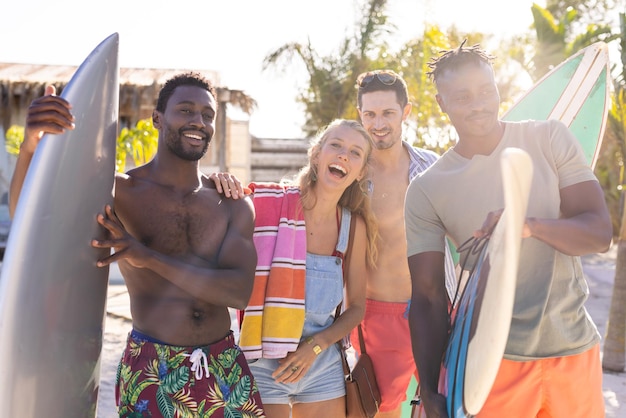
(560, 387)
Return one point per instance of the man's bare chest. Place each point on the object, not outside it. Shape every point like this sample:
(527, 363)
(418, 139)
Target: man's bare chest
(388, 196)
(388, 189)
(193, 224)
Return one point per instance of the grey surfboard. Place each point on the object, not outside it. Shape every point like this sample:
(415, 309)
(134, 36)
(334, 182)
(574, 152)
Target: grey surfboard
(52, 295)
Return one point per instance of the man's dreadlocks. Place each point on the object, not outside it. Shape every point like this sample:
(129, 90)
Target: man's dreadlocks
(457, 57)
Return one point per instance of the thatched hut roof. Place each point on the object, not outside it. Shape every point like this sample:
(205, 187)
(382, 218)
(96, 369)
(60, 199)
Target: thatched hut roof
(21, 83)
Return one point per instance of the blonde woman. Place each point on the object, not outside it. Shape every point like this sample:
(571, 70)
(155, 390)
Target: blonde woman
(289, 330)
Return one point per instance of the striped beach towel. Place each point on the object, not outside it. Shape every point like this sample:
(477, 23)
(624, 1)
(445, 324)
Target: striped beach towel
(272, 322)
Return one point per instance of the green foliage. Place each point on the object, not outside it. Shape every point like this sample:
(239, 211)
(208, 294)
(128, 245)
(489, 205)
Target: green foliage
(561, 33)
(138, 143)
(590, 11)
(14, 138)
(331, 92)
(610, 166)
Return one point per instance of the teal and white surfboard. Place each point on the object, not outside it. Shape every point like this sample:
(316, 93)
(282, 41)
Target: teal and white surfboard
(575, 92)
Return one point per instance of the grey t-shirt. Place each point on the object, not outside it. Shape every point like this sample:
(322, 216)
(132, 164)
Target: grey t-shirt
(453, 197)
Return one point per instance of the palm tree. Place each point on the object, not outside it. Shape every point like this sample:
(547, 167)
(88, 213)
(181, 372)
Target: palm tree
(557, 38)
(614, 351)
(330, 93)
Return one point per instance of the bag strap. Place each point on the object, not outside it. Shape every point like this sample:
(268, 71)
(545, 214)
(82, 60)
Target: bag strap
(361, 339)
(346, 259)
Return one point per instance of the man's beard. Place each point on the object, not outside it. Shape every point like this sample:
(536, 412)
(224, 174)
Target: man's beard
(383, 145)
(175, 144)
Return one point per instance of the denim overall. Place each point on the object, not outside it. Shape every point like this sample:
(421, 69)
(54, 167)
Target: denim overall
(324, 291)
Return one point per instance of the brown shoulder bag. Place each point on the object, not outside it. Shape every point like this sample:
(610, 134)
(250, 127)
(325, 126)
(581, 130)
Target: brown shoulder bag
(362, 394)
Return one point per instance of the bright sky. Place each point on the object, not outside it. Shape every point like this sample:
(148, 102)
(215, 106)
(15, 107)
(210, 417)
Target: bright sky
(228, 36)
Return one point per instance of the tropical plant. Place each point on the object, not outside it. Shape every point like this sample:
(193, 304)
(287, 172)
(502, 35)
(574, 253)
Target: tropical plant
(614, 350)
(14, 138)
(560, 33)
(330, 90)
(138, 143)
(590, 11)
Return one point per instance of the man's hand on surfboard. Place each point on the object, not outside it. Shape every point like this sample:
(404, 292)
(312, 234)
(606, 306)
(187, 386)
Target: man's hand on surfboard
(490, 223)
(125, 246)
(47, 114)
(492, 220)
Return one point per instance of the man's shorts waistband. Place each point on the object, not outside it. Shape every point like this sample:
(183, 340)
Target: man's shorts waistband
(216, 347)
(377, 306)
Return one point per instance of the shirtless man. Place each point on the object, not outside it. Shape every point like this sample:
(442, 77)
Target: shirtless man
(186, 255)
(383, 105)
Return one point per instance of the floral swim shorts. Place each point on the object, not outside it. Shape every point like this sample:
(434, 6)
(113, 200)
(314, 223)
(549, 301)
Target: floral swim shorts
(161, 380)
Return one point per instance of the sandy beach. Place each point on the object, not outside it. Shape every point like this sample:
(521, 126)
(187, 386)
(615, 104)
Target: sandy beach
(599, 269)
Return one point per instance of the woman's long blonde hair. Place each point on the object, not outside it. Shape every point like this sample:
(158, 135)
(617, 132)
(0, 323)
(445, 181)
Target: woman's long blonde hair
(355, 198)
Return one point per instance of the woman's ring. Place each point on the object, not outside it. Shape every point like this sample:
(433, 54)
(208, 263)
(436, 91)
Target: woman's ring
(294, 369)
